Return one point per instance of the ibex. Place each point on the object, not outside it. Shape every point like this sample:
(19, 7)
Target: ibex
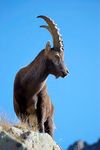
(30, 92)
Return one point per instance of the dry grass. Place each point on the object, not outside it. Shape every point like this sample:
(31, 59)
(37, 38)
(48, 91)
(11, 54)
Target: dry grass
(31, 125)
(6, 123)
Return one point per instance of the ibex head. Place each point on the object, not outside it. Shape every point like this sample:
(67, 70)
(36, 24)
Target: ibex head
(55, 55)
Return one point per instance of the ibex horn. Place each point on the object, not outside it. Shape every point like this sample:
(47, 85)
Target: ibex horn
(52, 28)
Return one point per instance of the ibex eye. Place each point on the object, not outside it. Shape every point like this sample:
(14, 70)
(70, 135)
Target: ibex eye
(57, 56)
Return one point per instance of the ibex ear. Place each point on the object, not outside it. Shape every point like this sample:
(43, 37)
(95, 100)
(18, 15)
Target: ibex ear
(48, 47)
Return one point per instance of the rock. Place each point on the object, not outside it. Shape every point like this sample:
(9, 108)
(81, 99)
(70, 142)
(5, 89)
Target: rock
(81, 145)
(15, 138)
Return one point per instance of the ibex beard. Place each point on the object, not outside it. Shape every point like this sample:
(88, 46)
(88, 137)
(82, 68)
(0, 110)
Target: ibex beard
(30, 92)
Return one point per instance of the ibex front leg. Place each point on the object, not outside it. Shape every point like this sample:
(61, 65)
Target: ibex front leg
(41, 112)
(45, 112)
(49, 126)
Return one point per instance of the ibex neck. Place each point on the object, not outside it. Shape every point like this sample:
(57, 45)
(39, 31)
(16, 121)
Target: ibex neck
(36, 74)
(38, 67)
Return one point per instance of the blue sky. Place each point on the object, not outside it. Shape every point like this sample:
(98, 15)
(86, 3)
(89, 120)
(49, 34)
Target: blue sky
(76, 98)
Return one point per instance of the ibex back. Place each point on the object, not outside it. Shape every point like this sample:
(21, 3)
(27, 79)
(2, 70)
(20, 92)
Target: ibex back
(30, 93)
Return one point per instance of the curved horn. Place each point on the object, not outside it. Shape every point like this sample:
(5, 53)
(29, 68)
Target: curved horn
(52, 28)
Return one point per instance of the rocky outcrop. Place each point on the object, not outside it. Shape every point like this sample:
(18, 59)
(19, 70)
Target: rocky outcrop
(81, 145)
(15, 138)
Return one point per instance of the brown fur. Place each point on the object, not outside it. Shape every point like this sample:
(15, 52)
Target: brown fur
(30, 92)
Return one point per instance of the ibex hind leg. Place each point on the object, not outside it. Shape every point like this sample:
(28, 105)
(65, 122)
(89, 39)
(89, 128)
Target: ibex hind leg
(49, 126)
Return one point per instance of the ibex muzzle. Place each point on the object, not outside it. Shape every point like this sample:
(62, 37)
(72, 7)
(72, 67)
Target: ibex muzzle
(62, 70)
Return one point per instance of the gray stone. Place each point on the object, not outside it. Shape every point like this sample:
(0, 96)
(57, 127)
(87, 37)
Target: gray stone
(24, 139)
